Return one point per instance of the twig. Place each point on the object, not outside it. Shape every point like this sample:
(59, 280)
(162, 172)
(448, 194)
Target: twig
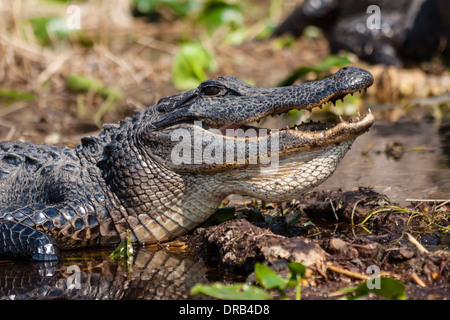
(419, 247)
(417, 279)
(334, 210)
(443, 204)
(346, 272)
(353, 211)
(357, 275)
(52, 68)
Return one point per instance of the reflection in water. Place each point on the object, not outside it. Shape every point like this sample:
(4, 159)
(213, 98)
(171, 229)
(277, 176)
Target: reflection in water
(155, 275)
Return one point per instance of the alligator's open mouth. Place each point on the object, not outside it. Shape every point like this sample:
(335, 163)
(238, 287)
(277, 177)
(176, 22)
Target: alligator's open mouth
(241, 131)
(305, 136)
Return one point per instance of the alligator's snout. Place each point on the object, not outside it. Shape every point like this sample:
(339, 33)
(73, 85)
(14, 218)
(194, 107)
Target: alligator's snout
(352, 78)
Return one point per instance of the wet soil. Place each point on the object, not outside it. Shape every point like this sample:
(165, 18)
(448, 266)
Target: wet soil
(338, 235)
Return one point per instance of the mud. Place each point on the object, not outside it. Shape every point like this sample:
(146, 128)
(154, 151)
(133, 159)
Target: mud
(337, 235)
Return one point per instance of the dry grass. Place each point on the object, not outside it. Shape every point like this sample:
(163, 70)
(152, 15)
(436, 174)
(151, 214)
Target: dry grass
(118, 58)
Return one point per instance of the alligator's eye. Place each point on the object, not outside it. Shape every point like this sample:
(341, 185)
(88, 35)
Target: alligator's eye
(211, 90)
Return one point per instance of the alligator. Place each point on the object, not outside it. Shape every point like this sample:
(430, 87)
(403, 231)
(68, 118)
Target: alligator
(399, 33)
(166, 169)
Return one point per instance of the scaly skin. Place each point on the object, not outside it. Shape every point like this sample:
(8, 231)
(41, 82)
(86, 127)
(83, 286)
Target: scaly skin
(130, 176)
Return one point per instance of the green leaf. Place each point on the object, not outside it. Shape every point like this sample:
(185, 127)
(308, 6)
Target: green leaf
(325, 65)
(9, 96)
(190, 65)
(78, 83)
(298, 271)
(240, 291)
(217, 13)
(221, 215)
(179, 8)
(268, 278)
(120, 252)
(124, 250)
(389, 288)
(46, 29)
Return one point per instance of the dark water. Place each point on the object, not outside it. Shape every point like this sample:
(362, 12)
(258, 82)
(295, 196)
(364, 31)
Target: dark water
(422, 171)
(91, 274)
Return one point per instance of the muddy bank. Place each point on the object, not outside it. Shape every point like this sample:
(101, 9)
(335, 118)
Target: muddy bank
(338, 235)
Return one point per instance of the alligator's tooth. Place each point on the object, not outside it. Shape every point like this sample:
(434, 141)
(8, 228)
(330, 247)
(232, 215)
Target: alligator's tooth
(341, 120)
(370, 111)
(358, 114)
(287, 127)
(296, 128)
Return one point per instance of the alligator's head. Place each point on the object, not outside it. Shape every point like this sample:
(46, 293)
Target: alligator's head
(196, 147)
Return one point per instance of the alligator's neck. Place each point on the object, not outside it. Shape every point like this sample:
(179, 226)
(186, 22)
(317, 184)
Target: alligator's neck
(155, 203)
(158, 204)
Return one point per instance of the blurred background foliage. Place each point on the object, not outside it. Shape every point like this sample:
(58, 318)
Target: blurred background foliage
(127, 54)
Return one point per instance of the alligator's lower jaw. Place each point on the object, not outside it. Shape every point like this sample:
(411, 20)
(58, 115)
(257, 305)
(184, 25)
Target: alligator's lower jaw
(287, 177)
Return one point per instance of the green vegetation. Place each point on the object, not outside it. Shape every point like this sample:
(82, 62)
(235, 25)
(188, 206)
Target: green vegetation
(179, 8)
(83, 84)
(272, 285)
(221, 215)
(8, 96)
(388, 288)
(435, 220)
(212, 14)
(267, 279)
(190, 65)
(124, 252)
(319, 69)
